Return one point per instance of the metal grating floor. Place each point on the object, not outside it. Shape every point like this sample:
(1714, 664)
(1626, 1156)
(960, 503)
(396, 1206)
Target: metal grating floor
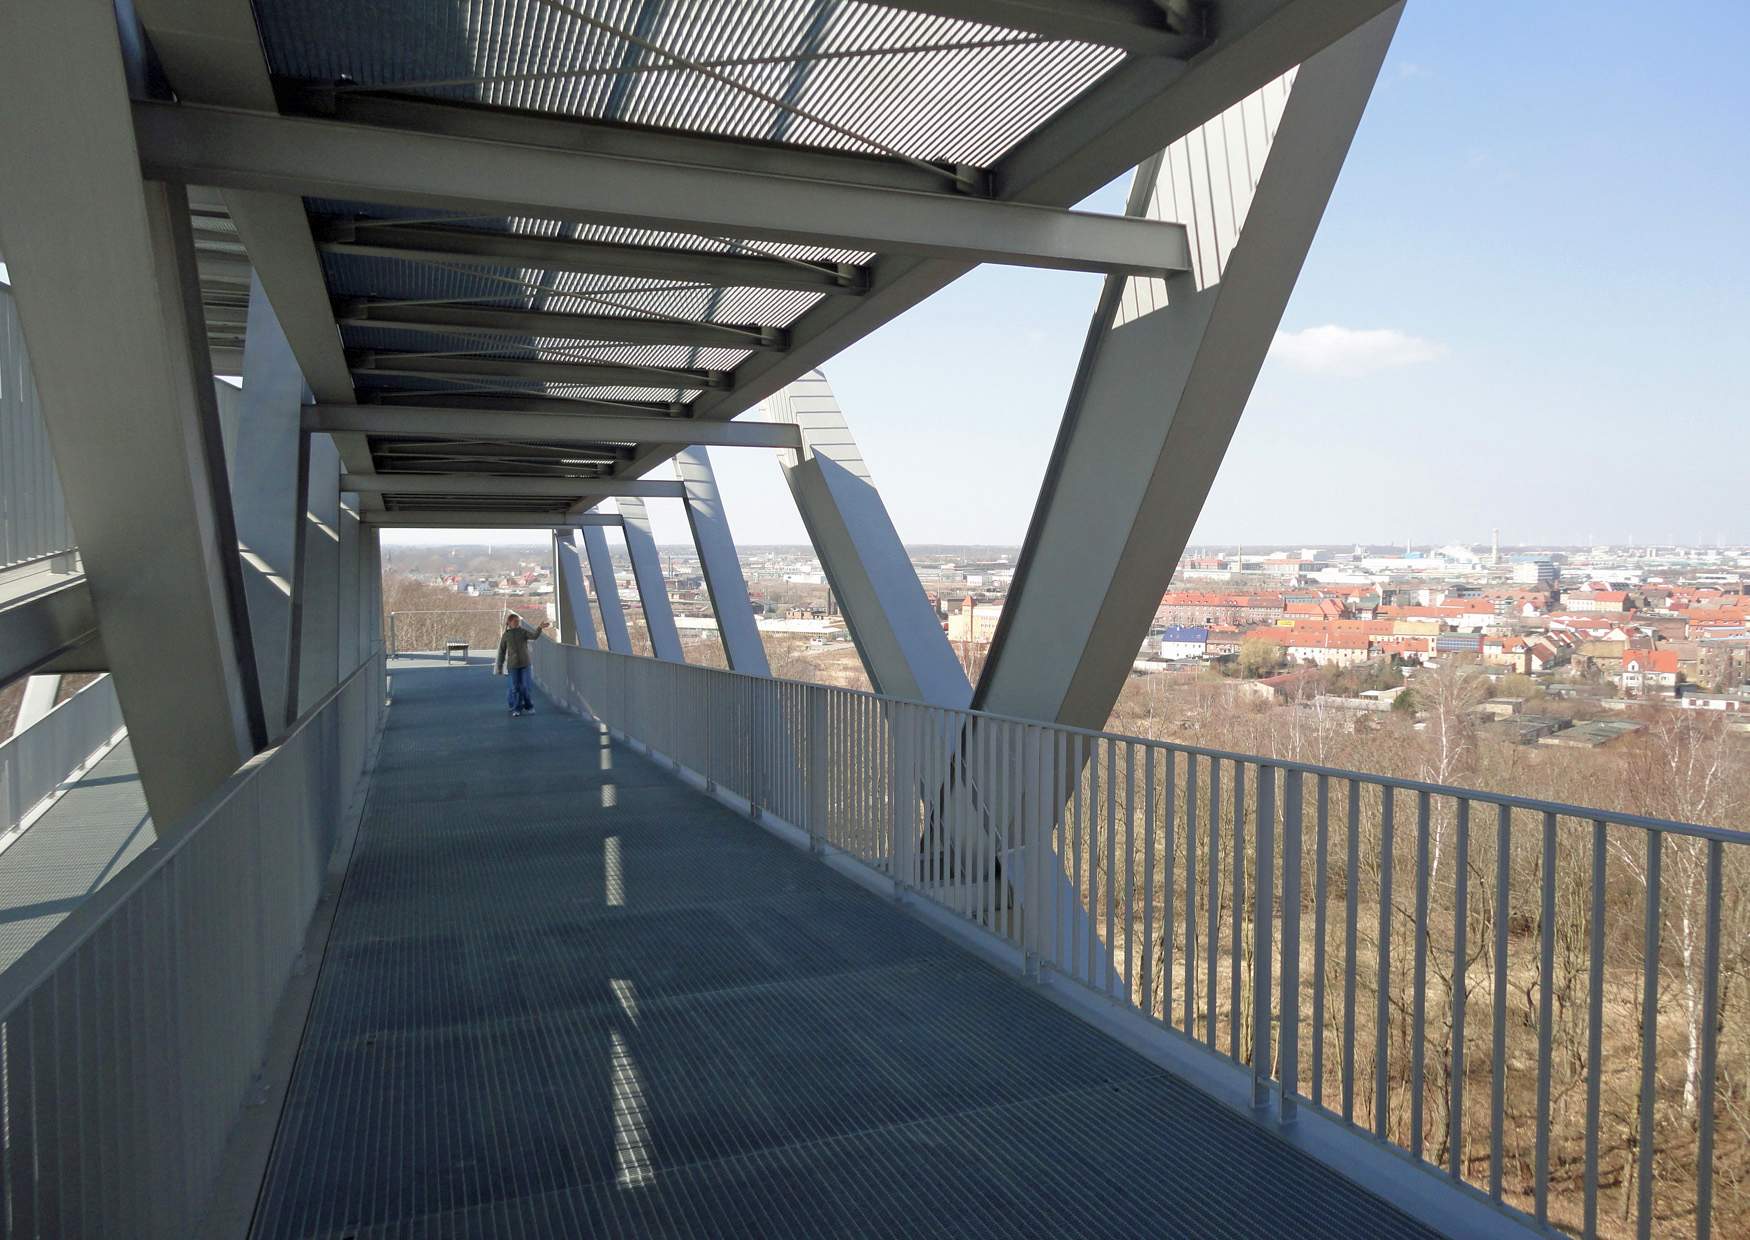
(566, 995)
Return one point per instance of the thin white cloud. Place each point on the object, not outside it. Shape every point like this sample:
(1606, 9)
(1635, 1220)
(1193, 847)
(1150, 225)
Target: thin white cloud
(1352, 351)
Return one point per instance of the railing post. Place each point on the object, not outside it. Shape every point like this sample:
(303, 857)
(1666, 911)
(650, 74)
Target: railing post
(1289, 1037)
(1263, 918)
(817, 766)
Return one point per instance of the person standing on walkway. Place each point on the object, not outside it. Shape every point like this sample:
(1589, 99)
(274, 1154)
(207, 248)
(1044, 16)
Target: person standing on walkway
(513, 657)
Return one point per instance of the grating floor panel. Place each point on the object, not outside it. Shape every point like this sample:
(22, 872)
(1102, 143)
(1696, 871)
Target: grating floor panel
(566, 995)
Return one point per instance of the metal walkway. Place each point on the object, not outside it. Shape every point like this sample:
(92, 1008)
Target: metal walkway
(567, 995)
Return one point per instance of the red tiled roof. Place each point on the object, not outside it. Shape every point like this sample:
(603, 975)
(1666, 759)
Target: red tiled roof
(1650, 662)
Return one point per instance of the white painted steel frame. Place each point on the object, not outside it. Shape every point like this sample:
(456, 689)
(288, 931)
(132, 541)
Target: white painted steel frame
(615, 635)
(1156, 398)
(264, 459)
(897, 633)
(720, 564)
(665, 638)
(262, 152)
(581, 428)
(136, 438)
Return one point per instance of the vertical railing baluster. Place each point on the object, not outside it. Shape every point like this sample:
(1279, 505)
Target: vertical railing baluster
(1321, 895)
(1460, 987)
(1382, 1005)
(1095, 933)
(1649, 1034)
(1289, 1036)
(1419, 990)
(1111, 957)
(1351, 966)
(1061, 774)
(1169, 819)
(1710, 1030)
(1191, 895)
(1594, 1024)
(1148, 879)
(1212, 914)
(1083, 927)
(1498, 1080)
(1546, 971)
(1236, 915)
(1129, 874)
(1263, 920)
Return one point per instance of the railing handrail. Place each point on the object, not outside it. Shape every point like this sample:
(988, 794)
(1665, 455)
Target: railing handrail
(20, 979)
(1724, 835)
(1069, 846)
(52, 711)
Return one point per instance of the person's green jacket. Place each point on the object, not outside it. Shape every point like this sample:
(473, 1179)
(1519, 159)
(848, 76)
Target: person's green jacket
(513, 648)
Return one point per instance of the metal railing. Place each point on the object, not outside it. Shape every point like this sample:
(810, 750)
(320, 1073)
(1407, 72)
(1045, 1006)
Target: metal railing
(132, 1034)
(1525, 996)
(427, 631)
(38, 760)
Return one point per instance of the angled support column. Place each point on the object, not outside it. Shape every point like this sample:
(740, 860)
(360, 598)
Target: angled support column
(896, 631)
(371, 565)
(665, 639)
(352, 582)
(607, 592)
(103, 268)
(264, 492)
(38, 700)
(724, 582)
(576, 628)
(316, 583)
(1164, 377)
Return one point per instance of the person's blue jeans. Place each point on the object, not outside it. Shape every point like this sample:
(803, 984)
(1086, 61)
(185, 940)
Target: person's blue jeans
(517, 695)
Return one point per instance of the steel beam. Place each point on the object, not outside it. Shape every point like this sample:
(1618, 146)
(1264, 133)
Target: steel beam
(135, 437)
(476, 120)
(1144, 27)
(266, 153)
(523, 402)
(593, 374)
(1155, 402)
(481, 485)
(210, 52)
(467, 424)
(264, 461)
(40, 628)
(721, 566)
(316, 586)
(351, 565)
(665, 639)
(441, 243)
(615, 634)
(486, 518)
(897, 633)
(576, 627)
(548, 325)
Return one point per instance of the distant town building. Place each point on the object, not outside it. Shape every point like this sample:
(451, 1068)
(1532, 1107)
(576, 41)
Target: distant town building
(1648, 671)
(1179, 642)
(1539, 573)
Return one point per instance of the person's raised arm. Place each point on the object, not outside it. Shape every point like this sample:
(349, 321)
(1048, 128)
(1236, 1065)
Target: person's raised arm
(536, 636)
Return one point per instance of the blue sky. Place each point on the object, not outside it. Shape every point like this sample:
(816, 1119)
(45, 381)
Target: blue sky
(1528, 306)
